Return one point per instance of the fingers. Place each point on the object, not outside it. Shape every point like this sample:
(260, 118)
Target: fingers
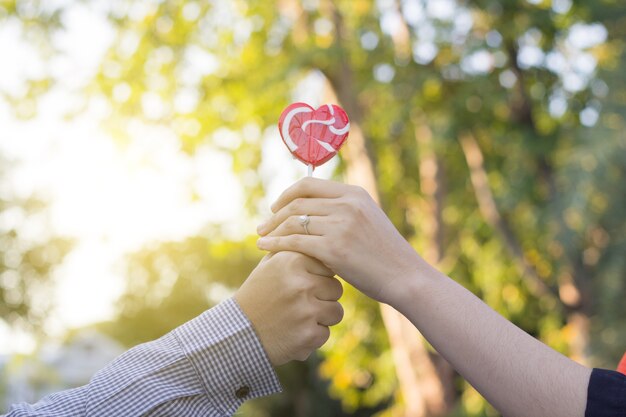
(329, 313)
(315, 338)
(290, 262)
(315, 267)
(316, 225)
(295, 208)
(308, 245)
(328, 289)
(307, 188)
(323, 333)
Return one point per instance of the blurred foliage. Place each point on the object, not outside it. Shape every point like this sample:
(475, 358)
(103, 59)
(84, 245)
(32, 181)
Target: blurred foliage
(170, 283)
(538, 84)
(27, 258)
(38, 22)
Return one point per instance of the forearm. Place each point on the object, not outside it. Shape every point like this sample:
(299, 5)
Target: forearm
(518, 374)
(207, 367)
(144, 381)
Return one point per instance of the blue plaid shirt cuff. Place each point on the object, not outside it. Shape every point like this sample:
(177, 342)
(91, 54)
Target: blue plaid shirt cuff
(228, 357)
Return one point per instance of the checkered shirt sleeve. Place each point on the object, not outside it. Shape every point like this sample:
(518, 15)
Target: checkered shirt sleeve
(207, 367)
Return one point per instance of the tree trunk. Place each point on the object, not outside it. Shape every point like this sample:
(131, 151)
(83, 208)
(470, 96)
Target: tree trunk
(420, 374)
(491, 214)
(425, 382)
(432, 187)
(572, 294)
(422, 389)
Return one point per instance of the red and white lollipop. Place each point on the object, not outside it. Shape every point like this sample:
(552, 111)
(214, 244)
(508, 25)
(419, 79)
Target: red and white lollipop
(313, 135)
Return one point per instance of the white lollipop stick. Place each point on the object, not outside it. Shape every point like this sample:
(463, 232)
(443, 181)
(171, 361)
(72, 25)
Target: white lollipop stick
(309, 170)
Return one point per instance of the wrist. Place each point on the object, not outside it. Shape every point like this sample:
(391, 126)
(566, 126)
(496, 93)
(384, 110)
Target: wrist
(412, 285)
(267, 342)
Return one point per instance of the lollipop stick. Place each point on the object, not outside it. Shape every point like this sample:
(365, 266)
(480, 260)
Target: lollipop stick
(310, 170)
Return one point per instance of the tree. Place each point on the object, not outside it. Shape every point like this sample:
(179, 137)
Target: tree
(489, 131)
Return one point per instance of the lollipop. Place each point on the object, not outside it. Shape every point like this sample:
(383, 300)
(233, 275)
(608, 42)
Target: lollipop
(313, 136)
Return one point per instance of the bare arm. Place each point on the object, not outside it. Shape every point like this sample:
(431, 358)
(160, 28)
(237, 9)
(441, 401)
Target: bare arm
(518, 374)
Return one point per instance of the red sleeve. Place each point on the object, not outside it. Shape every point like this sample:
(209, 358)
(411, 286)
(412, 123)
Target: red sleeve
(622, 365)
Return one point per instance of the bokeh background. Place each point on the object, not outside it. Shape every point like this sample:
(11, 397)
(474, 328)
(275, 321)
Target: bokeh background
(139, 149)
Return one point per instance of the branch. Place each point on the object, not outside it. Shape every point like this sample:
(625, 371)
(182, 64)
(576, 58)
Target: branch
(489, 210)
(401, 37)
(432, 187)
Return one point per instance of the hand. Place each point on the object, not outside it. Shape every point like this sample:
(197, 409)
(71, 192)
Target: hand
(349, 233)
(291, 300)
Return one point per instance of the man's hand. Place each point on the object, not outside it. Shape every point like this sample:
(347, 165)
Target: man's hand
(291, 300)
(349, 233)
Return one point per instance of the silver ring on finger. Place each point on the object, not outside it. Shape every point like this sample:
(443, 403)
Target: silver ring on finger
(304, 221)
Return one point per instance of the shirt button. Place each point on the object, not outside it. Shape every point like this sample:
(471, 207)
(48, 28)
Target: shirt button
(242, 392)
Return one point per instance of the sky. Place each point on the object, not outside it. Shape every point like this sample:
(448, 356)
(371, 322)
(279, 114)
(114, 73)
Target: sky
(112, 197)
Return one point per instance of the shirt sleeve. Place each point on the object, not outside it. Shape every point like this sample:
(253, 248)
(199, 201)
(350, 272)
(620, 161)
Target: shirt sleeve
(207, 367)
(606, 395)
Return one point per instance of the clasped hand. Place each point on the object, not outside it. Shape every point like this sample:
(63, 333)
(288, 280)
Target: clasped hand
(348, 233)
(291, 298)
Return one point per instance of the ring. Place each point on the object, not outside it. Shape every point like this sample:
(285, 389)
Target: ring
(304, 221)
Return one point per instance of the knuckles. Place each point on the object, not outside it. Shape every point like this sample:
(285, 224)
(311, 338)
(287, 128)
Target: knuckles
(293, 222)
(315, 336)
(322, 335)
(294, 206)
(309, 336)
(339, 313)
(339, 247)
(360, 208)
(359, 192)
(354, 206)
(304, 186)
(282, 257)
(337, 288)
(301, 285)
(287, 261)
(296, 241)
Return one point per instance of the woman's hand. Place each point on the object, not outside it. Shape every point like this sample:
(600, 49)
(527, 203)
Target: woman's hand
(348, 232)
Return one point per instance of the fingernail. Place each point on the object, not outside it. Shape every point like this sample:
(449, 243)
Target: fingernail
(262, 242)
(273, 207)
(261, 228)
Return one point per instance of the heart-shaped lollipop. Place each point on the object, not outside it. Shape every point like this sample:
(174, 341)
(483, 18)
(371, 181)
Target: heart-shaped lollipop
(313, 135)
